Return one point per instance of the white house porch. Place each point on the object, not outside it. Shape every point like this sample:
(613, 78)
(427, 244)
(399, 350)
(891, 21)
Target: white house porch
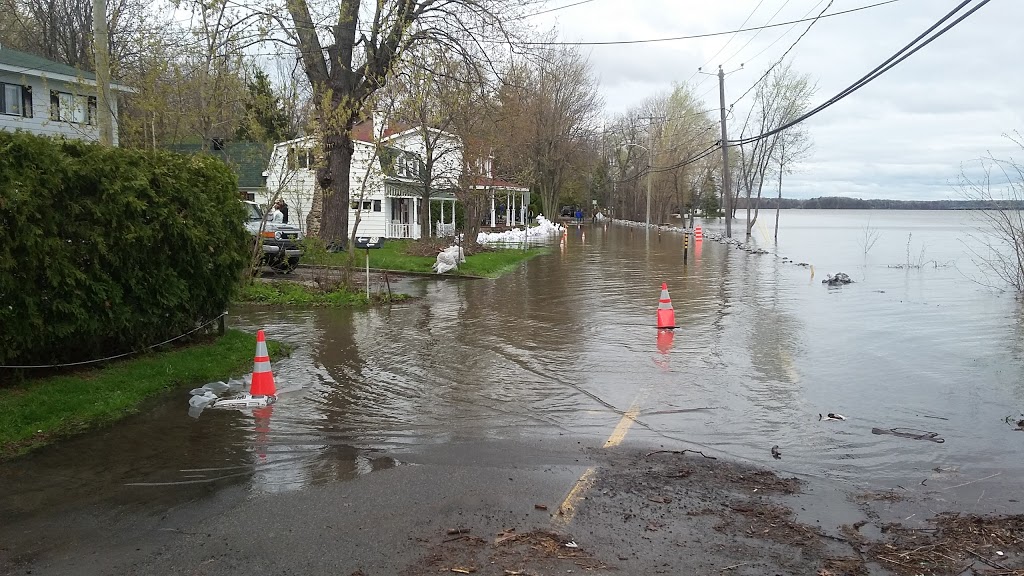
(404, 205)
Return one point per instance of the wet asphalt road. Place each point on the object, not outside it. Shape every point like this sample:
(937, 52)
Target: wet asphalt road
(376, 523)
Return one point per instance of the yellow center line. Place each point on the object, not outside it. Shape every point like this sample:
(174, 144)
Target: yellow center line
(619, 434)
(567, 510)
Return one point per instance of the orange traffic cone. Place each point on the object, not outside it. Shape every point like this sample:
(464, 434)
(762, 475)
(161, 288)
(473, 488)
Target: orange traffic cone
(666, 315)
(262, 377)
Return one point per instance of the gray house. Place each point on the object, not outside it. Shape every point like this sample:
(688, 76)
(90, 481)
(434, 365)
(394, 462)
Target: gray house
(48, 98)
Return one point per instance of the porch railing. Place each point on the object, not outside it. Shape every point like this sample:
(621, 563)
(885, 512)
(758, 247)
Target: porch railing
(403, 230)
(445, 230)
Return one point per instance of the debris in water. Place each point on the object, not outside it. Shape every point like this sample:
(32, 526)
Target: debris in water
(775, 452)
(540, 506)
(454, 531)
(831, 416)
(910, 433)
(840, 279)
(571, 544)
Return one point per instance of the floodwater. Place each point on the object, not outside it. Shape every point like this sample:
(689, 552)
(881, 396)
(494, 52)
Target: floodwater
(567, 344)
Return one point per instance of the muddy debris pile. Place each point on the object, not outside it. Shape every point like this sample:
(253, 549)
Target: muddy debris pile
(508, 553)
(956, 544)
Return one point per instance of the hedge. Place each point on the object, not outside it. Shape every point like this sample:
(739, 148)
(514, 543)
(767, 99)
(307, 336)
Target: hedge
(107, 250)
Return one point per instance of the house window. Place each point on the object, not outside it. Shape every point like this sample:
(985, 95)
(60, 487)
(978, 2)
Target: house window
(299, 158)
(15, 100)
(376, 205)
(408, 166)
(366, 205)
(65, 107)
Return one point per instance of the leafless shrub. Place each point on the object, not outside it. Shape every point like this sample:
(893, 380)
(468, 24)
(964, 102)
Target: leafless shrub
(999, 186)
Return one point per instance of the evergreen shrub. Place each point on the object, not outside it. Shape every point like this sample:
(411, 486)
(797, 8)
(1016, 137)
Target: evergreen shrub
(107, 250)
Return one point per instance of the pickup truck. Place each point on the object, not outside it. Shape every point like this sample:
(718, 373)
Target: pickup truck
(282, 247)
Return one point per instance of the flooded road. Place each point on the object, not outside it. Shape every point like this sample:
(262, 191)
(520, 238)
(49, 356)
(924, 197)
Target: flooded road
(556, 352)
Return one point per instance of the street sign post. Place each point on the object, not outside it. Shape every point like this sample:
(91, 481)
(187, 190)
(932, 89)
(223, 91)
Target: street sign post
(369, 243)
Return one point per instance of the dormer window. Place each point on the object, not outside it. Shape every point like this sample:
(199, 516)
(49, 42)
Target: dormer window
(299, 157)
(408, 166)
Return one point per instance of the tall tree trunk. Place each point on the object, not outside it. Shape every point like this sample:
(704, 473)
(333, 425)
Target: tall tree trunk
(778, 206)
(334, 182)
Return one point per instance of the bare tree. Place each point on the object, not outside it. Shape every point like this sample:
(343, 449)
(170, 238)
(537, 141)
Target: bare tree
(343, 80)
(687, 130)
(999, 185)
(429, 88)
(794, 146)
(782, 97)
(548, 107)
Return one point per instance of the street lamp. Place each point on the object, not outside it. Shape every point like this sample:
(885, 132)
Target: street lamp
(650, 157)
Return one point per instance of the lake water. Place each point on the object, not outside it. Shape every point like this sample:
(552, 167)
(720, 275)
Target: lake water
(567, 343)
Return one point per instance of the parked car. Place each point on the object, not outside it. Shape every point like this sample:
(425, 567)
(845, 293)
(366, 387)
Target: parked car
(281, 242)
(568, 211)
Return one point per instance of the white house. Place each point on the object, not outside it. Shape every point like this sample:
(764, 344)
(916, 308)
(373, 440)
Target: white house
(386, 181)
(48, 98)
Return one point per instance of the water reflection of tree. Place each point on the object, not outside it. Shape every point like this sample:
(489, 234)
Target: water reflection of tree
(336, 392)
(774, 336)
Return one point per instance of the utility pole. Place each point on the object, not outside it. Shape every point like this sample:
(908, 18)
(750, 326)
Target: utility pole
(726, 194)
(650, 160)
(650, 164)
(100, 42)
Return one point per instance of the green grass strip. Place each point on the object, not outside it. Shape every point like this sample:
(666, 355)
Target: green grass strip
(284, 293)
(392, 256)
(39, 411)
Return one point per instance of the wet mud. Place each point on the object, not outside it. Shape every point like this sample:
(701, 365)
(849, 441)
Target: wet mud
(669, 512)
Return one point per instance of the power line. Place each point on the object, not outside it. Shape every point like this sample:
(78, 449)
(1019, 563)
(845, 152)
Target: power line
(724, 46)
(695, 36)
(783, 35)
(882, 68)
(756, 34)
(554, 9)
(783, 57)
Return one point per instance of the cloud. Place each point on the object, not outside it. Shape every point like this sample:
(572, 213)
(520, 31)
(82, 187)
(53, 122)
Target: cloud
(903, 136)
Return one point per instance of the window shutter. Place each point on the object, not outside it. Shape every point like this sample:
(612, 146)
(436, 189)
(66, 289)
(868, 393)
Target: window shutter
(91, 116)
(54, 105)
(26, 101)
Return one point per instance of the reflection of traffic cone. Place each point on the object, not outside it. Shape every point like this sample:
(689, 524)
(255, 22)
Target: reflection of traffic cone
(666, 315)
(262, 377)
(665, 338)
(261, 417)
(698, 234)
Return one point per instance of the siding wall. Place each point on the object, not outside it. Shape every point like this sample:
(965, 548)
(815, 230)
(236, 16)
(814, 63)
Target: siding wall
(296, 186)
(447, 155)
(40, 122)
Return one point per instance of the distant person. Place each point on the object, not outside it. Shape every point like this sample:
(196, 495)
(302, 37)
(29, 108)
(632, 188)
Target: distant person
(284, 210)
(579, 216)
(276, 216)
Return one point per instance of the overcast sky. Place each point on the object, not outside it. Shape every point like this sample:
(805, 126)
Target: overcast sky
(904, 136)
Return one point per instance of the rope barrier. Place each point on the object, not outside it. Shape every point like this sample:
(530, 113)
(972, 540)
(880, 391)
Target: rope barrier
(98, 360)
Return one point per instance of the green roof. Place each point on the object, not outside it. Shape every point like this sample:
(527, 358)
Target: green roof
(27, 63)
(247, 159)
